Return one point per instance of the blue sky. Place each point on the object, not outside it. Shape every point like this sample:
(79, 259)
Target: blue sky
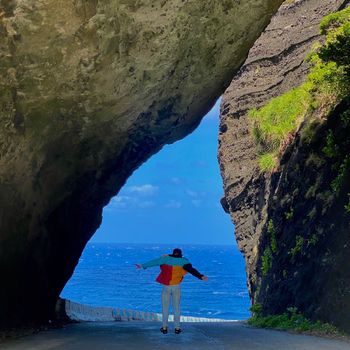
(174, 197)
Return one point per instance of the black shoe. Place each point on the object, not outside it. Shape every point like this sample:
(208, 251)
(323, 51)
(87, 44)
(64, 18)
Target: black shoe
(164, 330)
(178, 330)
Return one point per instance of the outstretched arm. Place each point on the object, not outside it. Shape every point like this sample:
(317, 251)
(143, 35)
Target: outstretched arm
(189, 268)
(151, 263)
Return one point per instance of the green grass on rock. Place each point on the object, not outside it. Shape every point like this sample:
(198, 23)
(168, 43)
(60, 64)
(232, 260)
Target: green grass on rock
(274, 125)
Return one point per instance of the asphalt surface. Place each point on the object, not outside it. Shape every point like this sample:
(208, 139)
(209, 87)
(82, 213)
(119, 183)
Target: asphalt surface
(146, 336)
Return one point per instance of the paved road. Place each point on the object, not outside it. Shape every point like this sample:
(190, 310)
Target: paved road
(146, 336)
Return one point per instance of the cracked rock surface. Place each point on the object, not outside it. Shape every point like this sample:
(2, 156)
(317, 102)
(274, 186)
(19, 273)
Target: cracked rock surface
(275, 65)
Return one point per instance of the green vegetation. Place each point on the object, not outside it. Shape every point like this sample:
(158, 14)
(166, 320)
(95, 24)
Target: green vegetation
(272, 248)
(266, 261)
(267, 161)
(313, 240)
(256, 309)
(343, 171)
(290, 320)
(275, 122)
(331, 148)
(337, 47)
(299, 242)
(272, 234)
(334, 20)
(345, 118)
(312, 213)
(289, 215)
(347, 206)
(274, 125)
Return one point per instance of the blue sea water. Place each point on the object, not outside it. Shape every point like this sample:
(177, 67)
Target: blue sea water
(106, 276)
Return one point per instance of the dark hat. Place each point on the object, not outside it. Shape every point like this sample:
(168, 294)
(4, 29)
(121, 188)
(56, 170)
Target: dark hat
(177, 252)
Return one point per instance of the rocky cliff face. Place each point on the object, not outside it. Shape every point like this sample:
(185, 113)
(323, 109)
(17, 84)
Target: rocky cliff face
(307, 216)
(294, 203)
(88, 91)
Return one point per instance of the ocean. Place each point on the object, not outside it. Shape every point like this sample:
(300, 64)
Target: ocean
(106, 276)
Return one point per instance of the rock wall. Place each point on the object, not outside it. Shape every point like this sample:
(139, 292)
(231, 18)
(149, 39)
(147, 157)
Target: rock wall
(306, 211)
(275, 65)
(88, 91)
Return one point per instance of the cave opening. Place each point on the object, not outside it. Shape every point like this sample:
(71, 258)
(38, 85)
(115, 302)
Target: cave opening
(173, 200)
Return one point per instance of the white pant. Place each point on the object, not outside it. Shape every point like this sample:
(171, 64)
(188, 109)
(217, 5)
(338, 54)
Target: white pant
(175, 293)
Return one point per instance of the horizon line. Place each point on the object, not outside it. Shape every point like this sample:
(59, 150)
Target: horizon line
(154, 243)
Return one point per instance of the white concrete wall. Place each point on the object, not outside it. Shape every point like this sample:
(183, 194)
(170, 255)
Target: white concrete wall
(80, 312)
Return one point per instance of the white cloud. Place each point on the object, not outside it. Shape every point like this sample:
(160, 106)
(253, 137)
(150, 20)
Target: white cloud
(119, 202)
(143, 190)
(129, 202)
(145, 204)
(173, 204)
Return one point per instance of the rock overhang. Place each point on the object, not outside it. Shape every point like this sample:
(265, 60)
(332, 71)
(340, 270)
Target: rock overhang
(89, 91)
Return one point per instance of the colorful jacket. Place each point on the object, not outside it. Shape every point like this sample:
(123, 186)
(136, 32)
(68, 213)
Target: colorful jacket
(172, 269)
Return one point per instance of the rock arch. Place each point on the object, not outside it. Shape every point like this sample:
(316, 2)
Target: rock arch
(88, 91)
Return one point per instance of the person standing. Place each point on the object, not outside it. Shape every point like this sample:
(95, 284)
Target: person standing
(173, 269)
